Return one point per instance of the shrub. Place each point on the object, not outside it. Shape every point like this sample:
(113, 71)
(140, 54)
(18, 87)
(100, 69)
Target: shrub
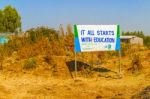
(136, 63)
(32, 50)
(30, 63)
(40, 32)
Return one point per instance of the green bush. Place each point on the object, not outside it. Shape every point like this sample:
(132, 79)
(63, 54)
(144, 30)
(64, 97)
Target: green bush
(30, 63)
(36, 34)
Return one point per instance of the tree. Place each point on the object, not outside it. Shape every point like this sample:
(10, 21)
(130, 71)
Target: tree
(12, 20)
(1, 21)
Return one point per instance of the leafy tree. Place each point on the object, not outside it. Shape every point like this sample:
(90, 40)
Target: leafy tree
(1, 21)
(12, 20)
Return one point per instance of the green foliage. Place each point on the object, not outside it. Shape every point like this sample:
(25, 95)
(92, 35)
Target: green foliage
(135, 33)
(10, 20)
(30, 63)
(1, 21)
(147, 41)
(36, 34)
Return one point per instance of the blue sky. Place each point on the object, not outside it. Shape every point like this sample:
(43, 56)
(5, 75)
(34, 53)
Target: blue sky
(131, 15)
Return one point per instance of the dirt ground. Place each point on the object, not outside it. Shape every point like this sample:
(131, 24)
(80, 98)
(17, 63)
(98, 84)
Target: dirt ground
(28, 86)
(104, 83)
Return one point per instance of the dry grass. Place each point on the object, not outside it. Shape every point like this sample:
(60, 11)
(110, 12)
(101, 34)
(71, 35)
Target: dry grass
(41, 82)
(36, 87)
(51, 79)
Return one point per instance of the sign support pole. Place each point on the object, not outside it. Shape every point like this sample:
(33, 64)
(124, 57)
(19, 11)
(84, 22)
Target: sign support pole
(120, 62)
(120, 72)
(75, 64)
(92, 61)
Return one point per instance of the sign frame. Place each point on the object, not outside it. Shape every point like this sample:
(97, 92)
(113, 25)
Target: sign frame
(77, 42)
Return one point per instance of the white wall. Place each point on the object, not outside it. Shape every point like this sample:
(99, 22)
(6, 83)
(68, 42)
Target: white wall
(136, 40)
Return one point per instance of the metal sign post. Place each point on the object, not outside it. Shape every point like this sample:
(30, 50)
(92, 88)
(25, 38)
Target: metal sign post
(120, 73)
(120, 62)
(75, 64)
(92, 61)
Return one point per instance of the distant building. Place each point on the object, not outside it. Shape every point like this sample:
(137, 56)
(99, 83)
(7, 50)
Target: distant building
(132, 40)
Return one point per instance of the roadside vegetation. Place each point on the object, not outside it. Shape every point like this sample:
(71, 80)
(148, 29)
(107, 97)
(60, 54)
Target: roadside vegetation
(48, 53)
(48, 43)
